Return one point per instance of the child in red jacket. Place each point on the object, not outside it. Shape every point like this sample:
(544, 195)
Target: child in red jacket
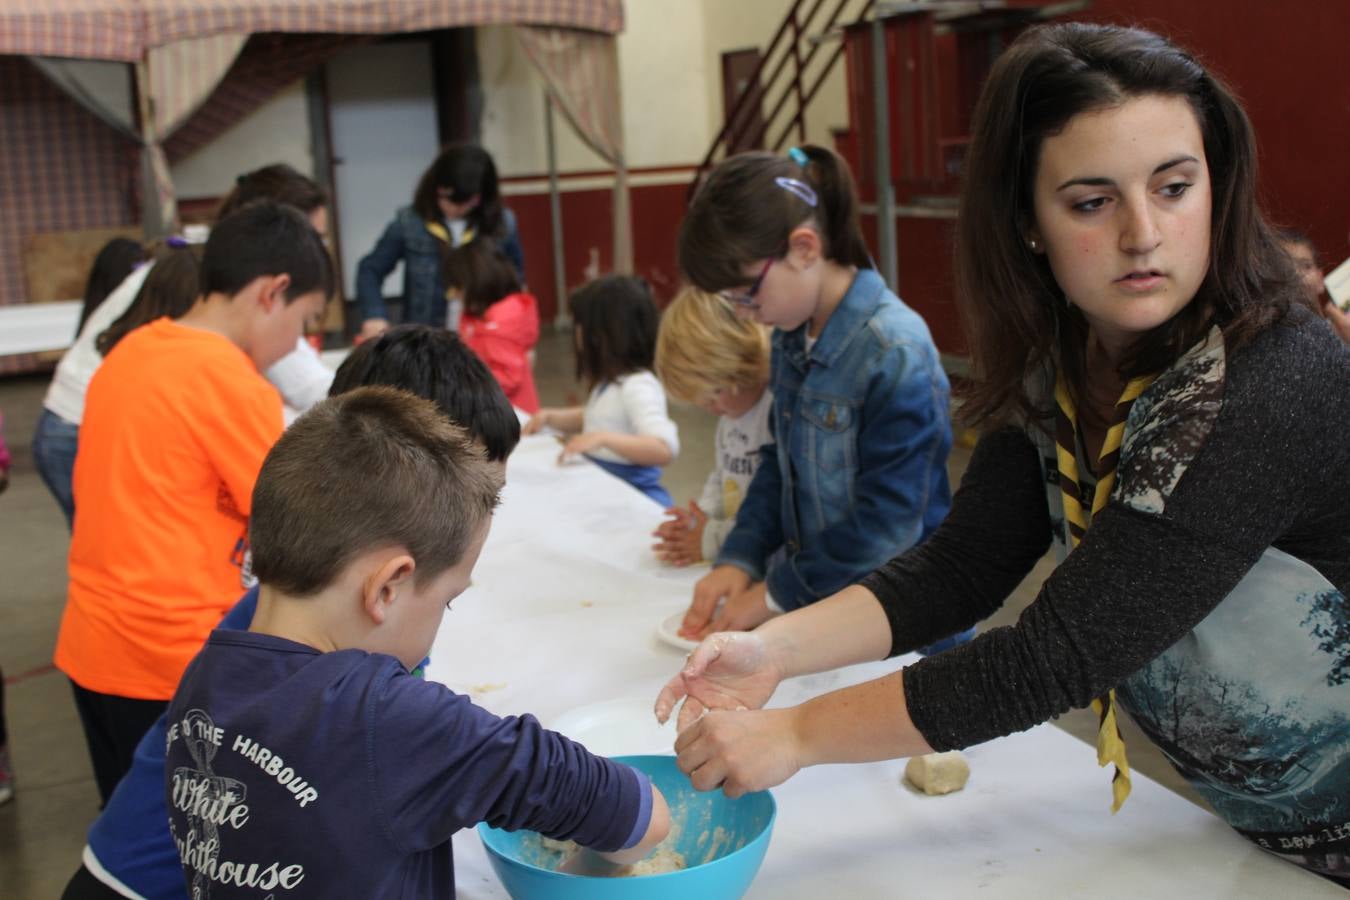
(500, 321)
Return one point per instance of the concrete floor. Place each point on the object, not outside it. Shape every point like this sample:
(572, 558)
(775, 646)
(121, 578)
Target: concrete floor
(42, 830)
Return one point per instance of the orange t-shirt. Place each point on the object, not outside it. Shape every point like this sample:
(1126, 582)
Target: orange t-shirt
(177, 422)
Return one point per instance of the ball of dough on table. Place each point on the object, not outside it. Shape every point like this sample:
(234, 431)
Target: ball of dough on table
(938, 773)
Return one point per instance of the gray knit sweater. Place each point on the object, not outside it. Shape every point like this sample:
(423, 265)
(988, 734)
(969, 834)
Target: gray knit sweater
(1210, 592)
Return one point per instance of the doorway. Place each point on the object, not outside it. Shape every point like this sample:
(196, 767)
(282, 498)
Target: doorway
(382, 116)
(740, 69)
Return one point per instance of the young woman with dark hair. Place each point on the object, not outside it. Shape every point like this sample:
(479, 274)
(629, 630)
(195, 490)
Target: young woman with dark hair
(1150, 384)
(457, 200)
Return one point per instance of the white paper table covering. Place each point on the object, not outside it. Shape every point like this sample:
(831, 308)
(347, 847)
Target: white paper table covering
(562, 613)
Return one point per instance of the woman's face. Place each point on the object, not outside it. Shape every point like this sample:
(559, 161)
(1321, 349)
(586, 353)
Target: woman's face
(1122, 207)
(450, 208)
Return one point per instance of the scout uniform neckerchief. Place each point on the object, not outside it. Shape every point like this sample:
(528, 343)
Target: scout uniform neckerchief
(441, 233)
(1110, 745)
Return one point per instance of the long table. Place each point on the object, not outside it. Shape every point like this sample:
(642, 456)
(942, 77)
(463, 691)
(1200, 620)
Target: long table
(37, 327)
(562, 613)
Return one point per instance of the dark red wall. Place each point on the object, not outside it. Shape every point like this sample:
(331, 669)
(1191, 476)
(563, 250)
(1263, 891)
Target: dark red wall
(1287, 62)
(587, 222)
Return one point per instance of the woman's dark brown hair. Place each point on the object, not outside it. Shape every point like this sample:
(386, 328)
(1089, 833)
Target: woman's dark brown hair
(482, 274)
(1015, 314)
(615, 322)
(464, 170)
(747, 208)
(279, 183)
(171, 289)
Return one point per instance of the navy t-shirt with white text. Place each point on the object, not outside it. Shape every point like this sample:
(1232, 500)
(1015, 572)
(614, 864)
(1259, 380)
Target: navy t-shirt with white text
(295, 773)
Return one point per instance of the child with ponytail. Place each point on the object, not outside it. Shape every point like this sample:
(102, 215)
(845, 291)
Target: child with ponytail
(860, 401)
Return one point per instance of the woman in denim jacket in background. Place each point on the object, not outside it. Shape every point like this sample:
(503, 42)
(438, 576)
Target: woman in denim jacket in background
(456, 200)
(860, 401)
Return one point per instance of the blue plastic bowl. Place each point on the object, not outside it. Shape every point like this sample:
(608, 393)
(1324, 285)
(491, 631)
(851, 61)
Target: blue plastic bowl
(723, 841)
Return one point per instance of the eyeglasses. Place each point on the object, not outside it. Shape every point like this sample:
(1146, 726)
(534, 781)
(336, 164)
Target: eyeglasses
(747, 296)
(452, 196)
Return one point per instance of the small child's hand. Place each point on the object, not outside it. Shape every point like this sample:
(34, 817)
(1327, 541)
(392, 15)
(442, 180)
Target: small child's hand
(586, 861)
(744, 611)
(722, 583)
(537, 422)
(681, 536)
(583, 443)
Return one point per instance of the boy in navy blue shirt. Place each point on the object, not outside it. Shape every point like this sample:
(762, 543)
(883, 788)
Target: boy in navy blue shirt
(303, 759)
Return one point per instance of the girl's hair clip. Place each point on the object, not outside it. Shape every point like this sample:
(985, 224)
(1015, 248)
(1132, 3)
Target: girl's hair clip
(797, 155)
(801, 189)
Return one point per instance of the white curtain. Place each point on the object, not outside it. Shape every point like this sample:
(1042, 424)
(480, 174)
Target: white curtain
(581, 70)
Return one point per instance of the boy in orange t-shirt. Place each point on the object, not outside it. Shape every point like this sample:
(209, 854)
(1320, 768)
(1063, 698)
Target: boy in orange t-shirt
(177, 422)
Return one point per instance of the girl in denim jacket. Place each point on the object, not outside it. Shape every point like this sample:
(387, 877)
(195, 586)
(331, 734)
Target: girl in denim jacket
(860, 413)
(456, 201)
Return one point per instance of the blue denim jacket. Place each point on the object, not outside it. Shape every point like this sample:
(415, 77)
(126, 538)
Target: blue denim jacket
(858, 473)
(407, 239)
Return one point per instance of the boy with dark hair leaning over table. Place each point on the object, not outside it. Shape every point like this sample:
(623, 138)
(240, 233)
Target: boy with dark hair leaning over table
(368, 518)
(176, 423)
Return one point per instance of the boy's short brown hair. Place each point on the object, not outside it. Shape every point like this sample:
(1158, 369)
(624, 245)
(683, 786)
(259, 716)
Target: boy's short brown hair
(375, 467)
(703, 346)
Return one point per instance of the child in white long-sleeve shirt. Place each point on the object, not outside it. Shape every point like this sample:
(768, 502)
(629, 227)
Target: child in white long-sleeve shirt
(709, 357)
(624, 427)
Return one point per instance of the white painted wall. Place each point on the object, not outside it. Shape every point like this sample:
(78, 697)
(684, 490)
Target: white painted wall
(278, 131)
(664, 87)
(663, 94)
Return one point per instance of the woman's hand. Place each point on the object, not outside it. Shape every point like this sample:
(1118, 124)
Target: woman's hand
(727, 671)
(740, 752)
(681, 536)
(722, 583)
(372, 328)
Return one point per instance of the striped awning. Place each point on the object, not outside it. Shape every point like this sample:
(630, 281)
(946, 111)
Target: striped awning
(126, 29)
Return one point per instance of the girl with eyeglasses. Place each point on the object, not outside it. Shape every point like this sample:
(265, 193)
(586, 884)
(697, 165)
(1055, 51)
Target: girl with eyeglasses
(456, 201)
(860, 402)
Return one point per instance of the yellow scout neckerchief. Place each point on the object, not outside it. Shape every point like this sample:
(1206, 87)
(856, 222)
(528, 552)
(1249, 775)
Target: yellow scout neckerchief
(1110, 745)
(441, 233)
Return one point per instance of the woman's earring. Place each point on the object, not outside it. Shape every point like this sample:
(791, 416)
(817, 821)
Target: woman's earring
(1034, 245)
